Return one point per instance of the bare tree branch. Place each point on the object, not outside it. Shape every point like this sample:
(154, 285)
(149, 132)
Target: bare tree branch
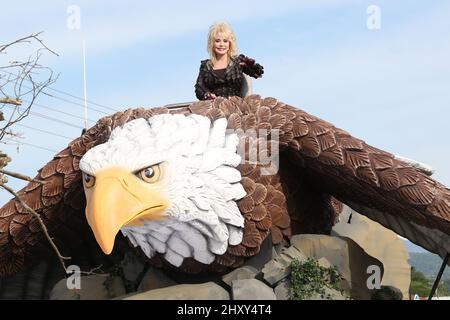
(28, 39)
(25, 81)
(20, 176)
(15, 74)
(8, 100)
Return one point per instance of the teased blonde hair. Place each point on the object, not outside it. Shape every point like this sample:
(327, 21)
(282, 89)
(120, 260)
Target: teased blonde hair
(223, 29)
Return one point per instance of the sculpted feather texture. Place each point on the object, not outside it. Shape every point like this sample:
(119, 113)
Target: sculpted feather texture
(319, 163)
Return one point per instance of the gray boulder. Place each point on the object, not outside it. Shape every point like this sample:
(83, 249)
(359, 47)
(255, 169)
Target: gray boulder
(94, 287)
(251, 289)
(380, 243)
(245, 272)
(278, 268)
(203, 291)
(350, 260)
(282, 290)
(330, 294)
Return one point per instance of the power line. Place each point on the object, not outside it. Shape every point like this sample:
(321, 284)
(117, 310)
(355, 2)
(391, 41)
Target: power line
(85, 85)
(74, 103)
(52, 119)
(78, 98)
(68, 94)
(59, 111)
(28, 144)
(44, 131)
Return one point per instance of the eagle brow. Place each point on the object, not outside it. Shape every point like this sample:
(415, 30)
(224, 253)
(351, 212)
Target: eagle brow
(147, 166)
(88, 173)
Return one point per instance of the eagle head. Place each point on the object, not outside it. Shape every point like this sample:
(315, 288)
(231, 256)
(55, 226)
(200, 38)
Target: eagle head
(169, 184)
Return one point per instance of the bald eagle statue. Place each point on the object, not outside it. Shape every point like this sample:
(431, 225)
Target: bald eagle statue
(198, 188)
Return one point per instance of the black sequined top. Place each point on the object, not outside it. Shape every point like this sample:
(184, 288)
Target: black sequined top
(230, 84)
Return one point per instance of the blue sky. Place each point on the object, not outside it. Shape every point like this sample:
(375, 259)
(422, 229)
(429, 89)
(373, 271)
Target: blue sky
(389, 87)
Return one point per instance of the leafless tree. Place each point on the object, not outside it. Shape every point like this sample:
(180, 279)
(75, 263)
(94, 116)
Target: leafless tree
(21, 82)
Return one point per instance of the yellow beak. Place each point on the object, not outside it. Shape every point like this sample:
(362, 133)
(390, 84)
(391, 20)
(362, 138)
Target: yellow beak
(117, 199)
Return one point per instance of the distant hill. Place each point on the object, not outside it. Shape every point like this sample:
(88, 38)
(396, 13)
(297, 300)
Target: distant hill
(429, 264)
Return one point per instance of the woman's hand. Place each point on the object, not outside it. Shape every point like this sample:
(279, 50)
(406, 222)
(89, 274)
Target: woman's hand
(246, 61)
(252, 68)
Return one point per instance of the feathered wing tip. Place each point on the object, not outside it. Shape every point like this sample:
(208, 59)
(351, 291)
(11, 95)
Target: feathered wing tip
(396, 193)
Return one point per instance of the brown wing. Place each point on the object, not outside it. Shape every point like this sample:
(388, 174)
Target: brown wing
(325, 160)
(317, 161)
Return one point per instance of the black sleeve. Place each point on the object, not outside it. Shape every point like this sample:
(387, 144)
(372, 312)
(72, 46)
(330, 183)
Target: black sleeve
(250, 67)
(200, 88)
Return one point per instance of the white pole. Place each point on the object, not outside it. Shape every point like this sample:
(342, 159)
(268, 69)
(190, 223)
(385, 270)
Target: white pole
(85, 86)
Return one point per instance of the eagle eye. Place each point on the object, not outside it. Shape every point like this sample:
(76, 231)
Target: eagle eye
(88, 180)
(150, 174)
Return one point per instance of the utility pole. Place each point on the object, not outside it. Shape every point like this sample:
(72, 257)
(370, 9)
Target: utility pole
(85, 87)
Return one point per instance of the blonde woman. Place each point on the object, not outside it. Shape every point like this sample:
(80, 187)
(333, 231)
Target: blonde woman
(223, 74)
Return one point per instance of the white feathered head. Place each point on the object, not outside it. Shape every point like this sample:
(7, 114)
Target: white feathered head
(169, 184)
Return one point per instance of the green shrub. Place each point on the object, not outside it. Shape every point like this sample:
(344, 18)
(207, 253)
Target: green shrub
(308, 278)
(422, 285)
